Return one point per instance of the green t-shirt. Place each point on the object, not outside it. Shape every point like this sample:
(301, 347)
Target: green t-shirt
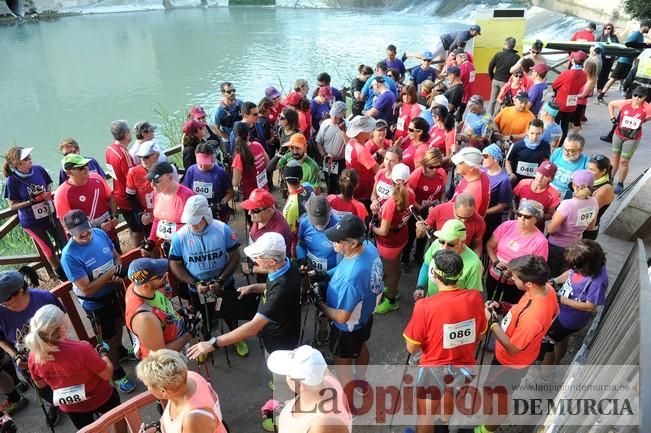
(311, 170)
(471, 277)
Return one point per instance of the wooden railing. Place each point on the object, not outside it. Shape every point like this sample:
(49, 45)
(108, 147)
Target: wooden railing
(38, 260)
(129, 412)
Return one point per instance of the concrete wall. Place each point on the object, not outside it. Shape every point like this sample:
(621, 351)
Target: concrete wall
(600, 11)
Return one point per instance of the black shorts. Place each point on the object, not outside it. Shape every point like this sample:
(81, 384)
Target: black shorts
(557, 332)
(109, 317)
(82, 419)
(579, 114)
(504, 375)
(345, 344)
(621, 71)
(133, 224)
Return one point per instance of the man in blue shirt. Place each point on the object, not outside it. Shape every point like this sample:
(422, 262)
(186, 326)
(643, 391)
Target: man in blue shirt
(382, 107)
(204, 254)
(425, 72)
(552, 132)
(92, 263)
(568, 159)
(227, 112)
(477, 123)
(624, 64)
(313, 244)
(367, 91)
(351, 297)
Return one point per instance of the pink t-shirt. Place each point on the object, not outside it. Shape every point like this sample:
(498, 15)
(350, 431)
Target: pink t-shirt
(578, 213)
(511, 244)
(168, 209)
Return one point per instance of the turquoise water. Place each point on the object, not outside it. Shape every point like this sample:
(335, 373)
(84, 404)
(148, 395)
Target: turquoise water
(74, 75)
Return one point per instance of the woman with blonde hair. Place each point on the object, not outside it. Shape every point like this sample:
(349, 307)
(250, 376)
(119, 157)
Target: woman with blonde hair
(192, 404)
(78, 375)
(571, 219)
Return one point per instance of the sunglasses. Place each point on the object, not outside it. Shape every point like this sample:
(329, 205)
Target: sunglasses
(148, 156)
(462, 218)
(525, 216)
(230, 92)
(258, 210)
(413, 130)
(608, 28)
(635, 96)
(448, 244)
(598, 157)
(432, 167)
(282, 118)
(518, 75)
(27, 158)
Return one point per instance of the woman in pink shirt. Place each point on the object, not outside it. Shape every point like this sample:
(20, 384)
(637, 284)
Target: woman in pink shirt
(513, 239)
(409, 109)
(419, 139)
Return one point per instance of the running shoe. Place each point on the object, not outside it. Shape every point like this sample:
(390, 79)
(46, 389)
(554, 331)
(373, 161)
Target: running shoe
(53, 416)
(15, 407)
(606, 138)
(386, 306)
(242, 349)
(385, 292)
(125, 385)
(619, 187)
(127, 354)
(268, 424)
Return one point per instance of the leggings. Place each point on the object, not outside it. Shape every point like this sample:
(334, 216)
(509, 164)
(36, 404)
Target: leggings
(40, 235)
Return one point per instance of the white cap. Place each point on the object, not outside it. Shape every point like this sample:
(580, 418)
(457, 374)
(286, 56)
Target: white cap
(468, 155)
(304, 363)
(400, 172)
(147, 148)
(440, 100)
(196, 207)
(268, 243)
(360, 124)
(25, 151)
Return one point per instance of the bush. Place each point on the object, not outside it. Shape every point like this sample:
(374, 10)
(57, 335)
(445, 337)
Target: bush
(640, 9)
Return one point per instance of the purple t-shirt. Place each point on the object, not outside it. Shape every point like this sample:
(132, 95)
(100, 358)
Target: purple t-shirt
(501, 190)
(13, 321)
(578, 213)
(212, 184)
(536, 97)
(396, 64)
(319, 111)
(16, 190)
(384, 104)
(581, 288)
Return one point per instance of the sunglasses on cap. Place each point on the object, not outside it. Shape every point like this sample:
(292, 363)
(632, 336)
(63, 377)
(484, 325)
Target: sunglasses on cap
(447, 243)
(258, 210)
(597, 157)
(534, 52)
(523, 215)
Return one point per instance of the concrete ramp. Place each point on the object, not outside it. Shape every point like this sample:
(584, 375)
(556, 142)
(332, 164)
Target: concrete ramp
(632, 218)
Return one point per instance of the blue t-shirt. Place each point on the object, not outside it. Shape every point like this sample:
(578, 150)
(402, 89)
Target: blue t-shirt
(256, 133)
(93, 167)
(90, 260)
(552, 133)
(318, 112)
(369, 95)
(356, 286)
(418, 75)
(477, 123)
(211, 184)
(563, 179)
(16, 189)
(226, 117)
(501, 190)
(451, 40)
(536, 96)
(314, 244)
(384, 104)
(636, 36)
(396, 64)
(15, 323)
(205, 254)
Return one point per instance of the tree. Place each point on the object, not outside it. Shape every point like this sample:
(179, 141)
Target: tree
(640, 9)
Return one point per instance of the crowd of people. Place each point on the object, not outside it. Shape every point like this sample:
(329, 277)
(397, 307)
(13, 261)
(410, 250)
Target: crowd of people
(418, 174)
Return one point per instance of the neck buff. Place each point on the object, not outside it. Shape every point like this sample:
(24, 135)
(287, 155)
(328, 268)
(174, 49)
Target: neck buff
(530, 145)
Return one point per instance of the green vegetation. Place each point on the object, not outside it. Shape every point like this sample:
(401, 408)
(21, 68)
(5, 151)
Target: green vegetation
(251, 2)
(171, 127)
(640, 9)
(17, 242)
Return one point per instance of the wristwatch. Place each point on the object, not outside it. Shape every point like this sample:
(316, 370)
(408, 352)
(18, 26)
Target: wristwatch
(213, 343)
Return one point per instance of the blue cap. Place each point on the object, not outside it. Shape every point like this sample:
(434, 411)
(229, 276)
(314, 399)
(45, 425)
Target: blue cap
(142, 271)
(427, 55)
(10, 283)
(494, 151)
(454, 70)
(477, 28)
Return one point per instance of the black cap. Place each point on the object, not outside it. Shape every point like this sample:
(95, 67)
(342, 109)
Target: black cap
(76, 221)
(454, 70)
(293, 170)
(159, 169)
(349, 226)
(522, 95)
(10, 283)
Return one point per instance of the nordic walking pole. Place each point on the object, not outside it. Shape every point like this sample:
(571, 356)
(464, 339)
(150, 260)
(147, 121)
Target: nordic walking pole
(397, 400)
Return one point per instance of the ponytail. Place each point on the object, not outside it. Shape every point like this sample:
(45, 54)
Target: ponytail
(400, 196)
(45, 332)
(582, 191)
(348, 181)
(241, 132)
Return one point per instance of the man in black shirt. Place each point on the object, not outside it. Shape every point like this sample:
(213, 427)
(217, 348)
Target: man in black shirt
(526, 155)
(279, 315)
(455, 91)
(499, 69)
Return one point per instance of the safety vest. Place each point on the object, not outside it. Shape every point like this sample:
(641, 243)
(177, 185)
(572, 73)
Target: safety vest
(643, 75)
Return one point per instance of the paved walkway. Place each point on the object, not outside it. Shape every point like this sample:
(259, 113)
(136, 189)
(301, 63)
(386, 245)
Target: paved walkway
(243, 387)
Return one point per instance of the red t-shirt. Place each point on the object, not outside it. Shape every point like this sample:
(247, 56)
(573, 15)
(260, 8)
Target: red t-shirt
(407, 112)
(140, 186)
(468, 79)
(305, 123)
(447, 326)
(427, 188)
(359, 158)
(414, 154)
(398, 232)
(631, 118)
(583, 35)
(276, 224)
(383, 186)
(372, 147)
(475, 225)
(92, 198)
(549, 198)
(76, 363)
(168, 209)
(118, 163)
(568, 85)
(442, 139)
(256, 176)
(480, 190)
(526, 324)
(341, 207)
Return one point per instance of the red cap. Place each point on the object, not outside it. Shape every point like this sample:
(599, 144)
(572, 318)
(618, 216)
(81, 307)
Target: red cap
(547, 168)
(293, 98)
(191, 126)
(540, 68)
(196, 112)
(579, 56)
(259, 198)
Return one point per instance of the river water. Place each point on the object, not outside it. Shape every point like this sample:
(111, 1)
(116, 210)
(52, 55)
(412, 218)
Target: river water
(74, 75)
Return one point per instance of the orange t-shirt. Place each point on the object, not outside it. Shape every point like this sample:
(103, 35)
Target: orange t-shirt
(526, 325)
(512, 122)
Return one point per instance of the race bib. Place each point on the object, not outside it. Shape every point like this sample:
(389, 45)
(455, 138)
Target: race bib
(383, 190)
(630, 122)
(471, 76)
(400, 124)
(202, 188)
(317, 263)
(506, 321)
(458, 334)
(207, 298)
(165, 229)
(585, 216)
(69, 395)
(331, 167)
(527, 169)
(571, 100)
(42, 210)
(149, 200)
(566, 290)
(101, 270)
(261, 179)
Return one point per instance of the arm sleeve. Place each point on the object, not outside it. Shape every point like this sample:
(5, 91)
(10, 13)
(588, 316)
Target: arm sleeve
(422, 275)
